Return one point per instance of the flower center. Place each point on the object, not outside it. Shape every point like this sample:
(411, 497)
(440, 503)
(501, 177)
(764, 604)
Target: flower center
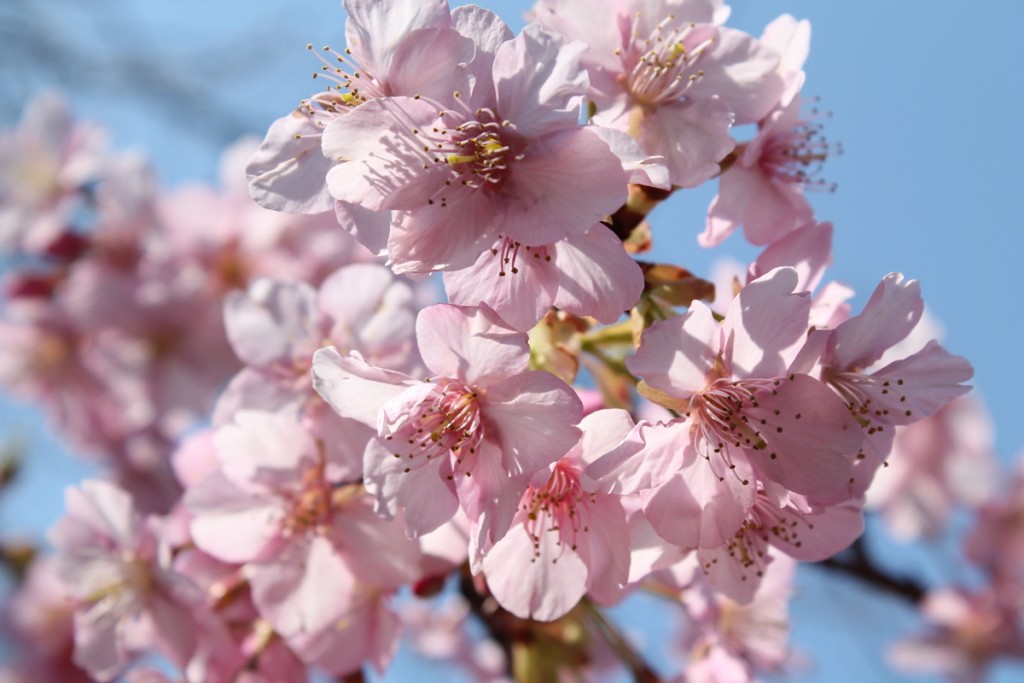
(720, 421)
(477, 147)
(553, 509)
(797, 155)
(659, 68)
(310, 505)
(446, 421)
(113, 587)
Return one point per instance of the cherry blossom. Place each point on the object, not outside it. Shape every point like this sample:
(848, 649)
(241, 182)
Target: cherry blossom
(566, 539)
(470, 437)
(126, 600)
(670, 75)
(508, 156)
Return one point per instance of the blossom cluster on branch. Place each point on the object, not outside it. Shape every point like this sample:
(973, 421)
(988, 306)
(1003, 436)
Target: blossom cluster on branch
(297, 435)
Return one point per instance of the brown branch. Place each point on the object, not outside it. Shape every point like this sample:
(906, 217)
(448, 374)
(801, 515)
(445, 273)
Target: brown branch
(856, 562)
(536, 651)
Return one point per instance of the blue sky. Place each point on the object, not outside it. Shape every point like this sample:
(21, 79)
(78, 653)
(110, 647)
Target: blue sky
(925, 99)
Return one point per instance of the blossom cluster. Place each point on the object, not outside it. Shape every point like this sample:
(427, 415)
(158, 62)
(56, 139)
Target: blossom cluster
(295, 431)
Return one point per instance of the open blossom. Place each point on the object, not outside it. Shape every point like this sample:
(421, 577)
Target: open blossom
(387, 42)
(503, 158)
(667, 73)
(751, 639)
(126, 601)
(396, 48)
(472, 436)
(276, 327)
(45, 166)
(750, 437)
(899, 393)
(763, 190)
(566, 539)
(278, 504)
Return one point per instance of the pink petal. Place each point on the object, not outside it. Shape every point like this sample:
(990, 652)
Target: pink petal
(484, 27)
(377, 550)
(646, 458)
(603, 545)
(354, 388)
(533, 417)
(546, 587)
(289, 172)
(766, 325)
(539, 82)
(603, 430)
(229, 523)
(736, 189)
(375, 29)
(807, 249)
(371, 229)
(643, 169)
(471, 344)
(268, 323)
(920, 385)
(892, 312)
(252, 389)
(305, 589)
(699, 508)
(567, 181)
(428, 240)
(425, 493)
(815, 537)
(810, 438)
(676, 355)
(490, 497)
(383, 156)
(596, 275)
(431, 62)
(267, 447)
(692, 136)
(520, 296)
(103, 511)
(741, 71)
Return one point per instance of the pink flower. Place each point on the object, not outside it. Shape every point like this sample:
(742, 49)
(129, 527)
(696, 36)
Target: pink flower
(366, 633)
(126, 601)
(508, 157)
(471, 436)
(744, 416)
(566, 539)
(669, 76)
(764, 189)
(45, 165)
(936, 464)
(967, 631)
(386, 44)
(276, 327)
(278, 505)
(899, 393)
